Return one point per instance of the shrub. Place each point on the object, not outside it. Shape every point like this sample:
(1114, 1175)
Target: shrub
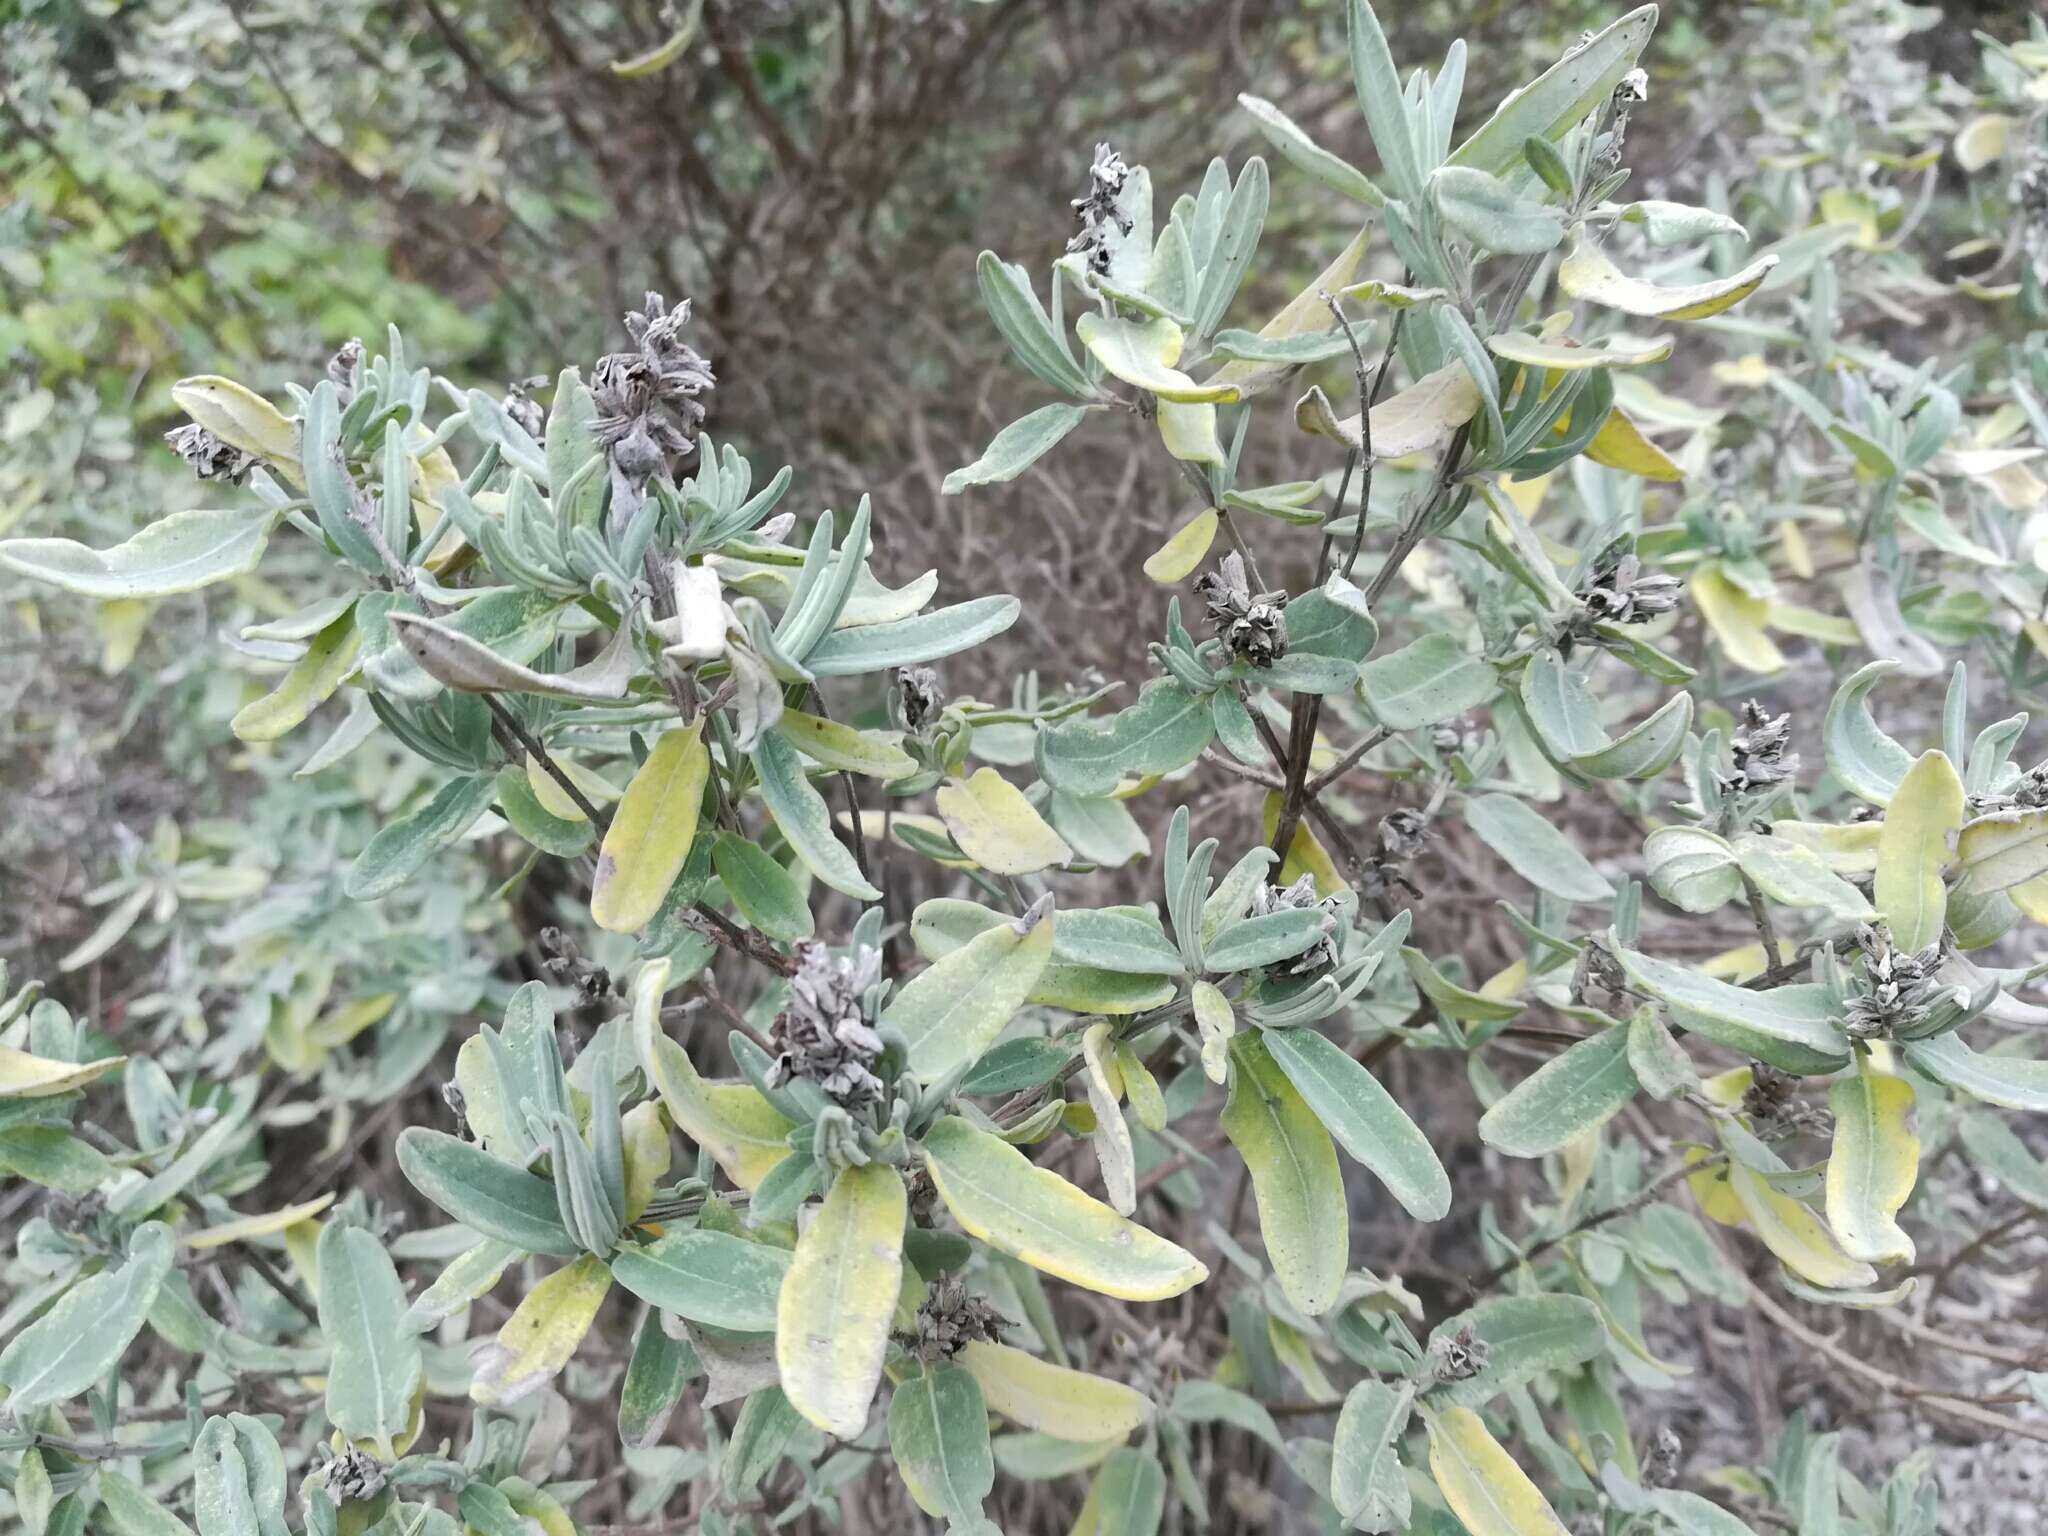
(704, 742)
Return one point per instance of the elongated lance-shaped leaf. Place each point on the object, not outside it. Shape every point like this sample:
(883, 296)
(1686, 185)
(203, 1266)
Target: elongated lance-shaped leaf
(998, 1195)
(377, 1371)
(1873, 1164)
(739, 1128)
(484, 1193)
(832, 1316)
(1035, 1394)
(1567, 1096)
(951, 1012)
(541, 1334)
(1364, 1118)
(1920, 827)
(714, 1278)
(803, 817)
(938, 1433)
(71, 1347)
(650, 835)
(1300, 1193)
(1488, 1493)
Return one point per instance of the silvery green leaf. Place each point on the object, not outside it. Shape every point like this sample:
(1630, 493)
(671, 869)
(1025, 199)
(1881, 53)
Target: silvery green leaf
(1561, 708)
(1127, 940)
(402, 848)
(1796, 876)
(1647, 748)
(1561, 96)
(1243, 220)
(1378, 84)
(938, 1434)
(1165, 729)
(1426, 681)
(1534, 849)
(1288, 351)
(1790, 1027)
(1099, 829)
(1304, 154)
(1692, 868)
(1367, 1482)
(1017, 447)
(485, 1194)
(816, 607)
(1492, 215)
(804, 819)
(328, 485)
(1322, 624)
(457, 661)
(1678, 223)
(1867, 761)
(713, 1278)
(222, 1503)
(1266, 940)
(1364, 1119)
(1658, 1060)
(72, 1346)
(178, 553)
(907, 642)
(1306, 672)
(377, 1367)
(1007, 294)
(1570, 1094)
(2011, 1082)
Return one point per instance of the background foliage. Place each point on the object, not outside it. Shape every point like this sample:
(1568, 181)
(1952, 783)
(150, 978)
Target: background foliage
(1853, 479)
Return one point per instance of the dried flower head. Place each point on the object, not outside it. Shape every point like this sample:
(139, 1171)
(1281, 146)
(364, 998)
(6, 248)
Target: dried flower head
(1457, 1356)
(648, 401)
(822, 1034)
(208, 456)
(1772, 1103)
(354, 1476)
(1899, 988)
(1251, 625)
(1616, 591)
(949, 1319)
(1660, 1462)
(1098, 211)
(458, 1106)
(1759, 751)
(918, 699)
(1299, 897)
(341, 368)
(523, 408)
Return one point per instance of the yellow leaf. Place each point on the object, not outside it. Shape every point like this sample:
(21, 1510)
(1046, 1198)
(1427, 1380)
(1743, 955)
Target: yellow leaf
(1305, 855)
(309, 684)
(644, 1141)
(741, 1130)
(1031, 1213)
(120, 623)
(242, 1228)
(1711, 1189)
(1421, 417)
(1749, 371)
(1189, 432)
(1176, 559)
(1114, 1153)
(1587, 274)
(1981, 141)
(649, 838)
(843, 747)
(1143, 352)
(554, 799)
(1920, 827)
(1737, 620)
(1306, 314)
(998, 828)
(1799, 1239)
(1568, 356)
(1873, 1165)
(349, 1020)
(1827, 628)
(832, 1317)
(1620, 444)
(1218, 1024)
(2031, 897)
(665, 53)
(541, 1334)
(242, 419)
(1038, 1395)
(1840, 205)
(23, 1076)
(1489, 1494)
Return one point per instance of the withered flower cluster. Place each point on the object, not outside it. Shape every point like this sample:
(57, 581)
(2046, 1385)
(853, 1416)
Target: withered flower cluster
(1457, 1356)
(1301, 896)
(1402, 833)
(822, 1034)
(1097, 210)
(949, 1319)
(1615, 590)
(208, 456)
(1901, 987)
(1772, 1103)
(917, 699)
(1759, 750)
(1251, 625)
(649, 403)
